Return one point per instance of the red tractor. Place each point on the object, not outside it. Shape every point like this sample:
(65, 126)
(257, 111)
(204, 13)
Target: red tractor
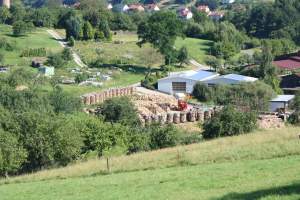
(182, 105)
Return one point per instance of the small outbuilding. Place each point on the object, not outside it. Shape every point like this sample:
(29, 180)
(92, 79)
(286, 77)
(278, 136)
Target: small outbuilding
(281, 103)
(47, 71)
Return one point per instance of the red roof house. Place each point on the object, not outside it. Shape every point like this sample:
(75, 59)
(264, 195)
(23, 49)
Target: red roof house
(289, 63)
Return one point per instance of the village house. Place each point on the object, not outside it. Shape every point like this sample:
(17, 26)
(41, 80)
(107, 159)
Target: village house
(288, 63)
(281, 103)
(152, 7)
(109, 6)
(46, 71)
(185, 13)
(216, 15)
(203, 8)
(183, 82)
(136, 7)
(290, 83)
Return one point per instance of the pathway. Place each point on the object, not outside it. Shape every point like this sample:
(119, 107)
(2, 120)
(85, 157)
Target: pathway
(61, 41)
(198, 65)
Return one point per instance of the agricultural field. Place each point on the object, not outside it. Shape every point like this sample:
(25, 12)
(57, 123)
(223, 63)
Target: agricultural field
(198, 49)
(261, 165)
(122, 50)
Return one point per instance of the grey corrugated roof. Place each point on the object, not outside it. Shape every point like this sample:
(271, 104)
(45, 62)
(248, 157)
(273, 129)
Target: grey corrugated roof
(238, 77)
(192, 75)
(283, 98)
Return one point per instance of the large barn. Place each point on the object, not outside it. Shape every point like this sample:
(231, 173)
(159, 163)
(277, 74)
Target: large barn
(183, 82)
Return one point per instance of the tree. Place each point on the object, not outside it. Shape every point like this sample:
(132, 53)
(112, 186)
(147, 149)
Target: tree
(56, 60)
(182, 55)
(202, 92)
(4, 14)
(119, 110)
(73, 28)
(67, 54)
(71, 41)
(2, 59)
(12, 154)
(88, 31)
(161, 30)
(229, 122)
(21, 28)
(213, 62)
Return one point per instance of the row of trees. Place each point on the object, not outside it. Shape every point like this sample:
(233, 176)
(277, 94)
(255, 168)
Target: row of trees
(41, 130)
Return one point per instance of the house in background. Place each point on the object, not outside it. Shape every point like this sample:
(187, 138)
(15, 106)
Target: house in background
(185, 13)
(288, 63)
(216, 15)
(136, 7)
(228, 1)
(152, 7)
(109, 6)
(47, 71)
(203, 8)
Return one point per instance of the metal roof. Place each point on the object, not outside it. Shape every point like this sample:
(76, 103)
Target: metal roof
(283, 98)
(238, 77)
(192, 75)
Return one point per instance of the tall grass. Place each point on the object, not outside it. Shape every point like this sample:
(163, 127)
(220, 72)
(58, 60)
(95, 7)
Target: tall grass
(255, 146)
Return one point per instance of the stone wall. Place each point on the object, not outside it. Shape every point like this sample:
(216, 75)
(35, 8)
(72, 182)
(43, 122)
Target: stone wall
(99, 97)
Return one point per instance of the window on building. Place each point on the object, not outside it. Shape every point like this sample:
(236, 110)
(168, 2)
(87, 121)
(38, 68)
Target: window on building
(179, 86)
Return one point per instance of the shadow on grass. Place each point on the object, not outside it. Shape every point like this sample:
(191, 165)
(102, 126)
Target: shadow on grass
(291, 189)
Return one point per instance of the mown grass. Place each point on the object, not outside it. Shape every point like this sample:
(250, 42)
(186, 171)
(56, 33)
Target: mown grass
(257, 146)
(39, 38)
(263, 165)
(122, 49)
(198, 49)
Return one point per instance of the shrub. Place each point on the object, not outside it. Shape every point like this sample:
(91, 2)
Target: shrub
(202, 92)
(39, 52)
(163, 136)
(229, 122)
(120, 110)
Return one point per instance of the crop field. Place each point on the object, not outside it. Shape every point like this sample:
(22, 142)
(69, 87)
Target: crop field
(261, 165)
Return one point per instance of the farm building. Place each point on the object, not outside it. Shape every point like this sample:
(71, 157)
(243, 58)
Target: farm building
(281, 102)
(231, 79)
(290, 83)
(183, 82)
(289, 62)
(47, 71)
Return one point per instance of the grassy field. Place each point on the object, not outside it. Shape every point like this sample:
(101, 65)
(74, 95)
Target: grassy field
(261, 165)
(122, 49)
(37, 39)
(198, 49)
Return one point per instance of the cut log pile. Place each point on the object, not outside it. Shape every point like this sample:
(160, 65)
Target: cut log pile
(270, 121)
(163, 109)
(99, 97)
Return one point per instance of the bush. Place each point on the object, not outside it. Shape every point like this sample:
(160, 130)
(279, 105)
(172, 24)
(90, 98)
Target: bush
(163, 136)
(229, 122)
(202, 92)
(119, 110)
(39, 52)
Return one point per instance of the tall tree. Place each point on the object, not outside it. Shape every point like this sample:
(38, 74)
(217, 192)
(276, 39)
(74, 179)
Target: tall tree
(161, 30)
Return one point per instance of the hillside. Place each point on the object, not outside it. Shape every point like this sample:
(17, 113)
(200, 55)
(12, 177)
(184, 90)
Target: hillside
(262, 165)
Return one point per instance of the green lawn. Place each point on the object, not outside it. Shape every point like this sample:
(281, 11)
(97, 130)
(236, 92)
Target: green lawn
(263, 165)
(122, 49)
(259, 179)
(198, 49)
(37, 39)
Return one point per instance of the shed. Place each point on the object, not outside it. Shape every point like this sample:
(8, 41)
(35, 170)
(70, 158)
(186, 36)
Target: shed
(183, 82)
(281, 102)
(230, 79)
(47, 71)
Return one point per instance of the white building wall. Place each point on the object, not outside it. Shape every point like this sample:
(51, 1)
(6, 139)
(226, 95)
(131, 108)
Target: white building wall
(165, 85)
(274, 106)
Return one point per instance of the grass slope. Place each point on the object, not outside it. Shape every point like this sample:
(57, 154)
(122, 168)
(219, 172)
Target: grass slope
(260, 179)
(37, 39)
(198, 49)
(262, 165)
